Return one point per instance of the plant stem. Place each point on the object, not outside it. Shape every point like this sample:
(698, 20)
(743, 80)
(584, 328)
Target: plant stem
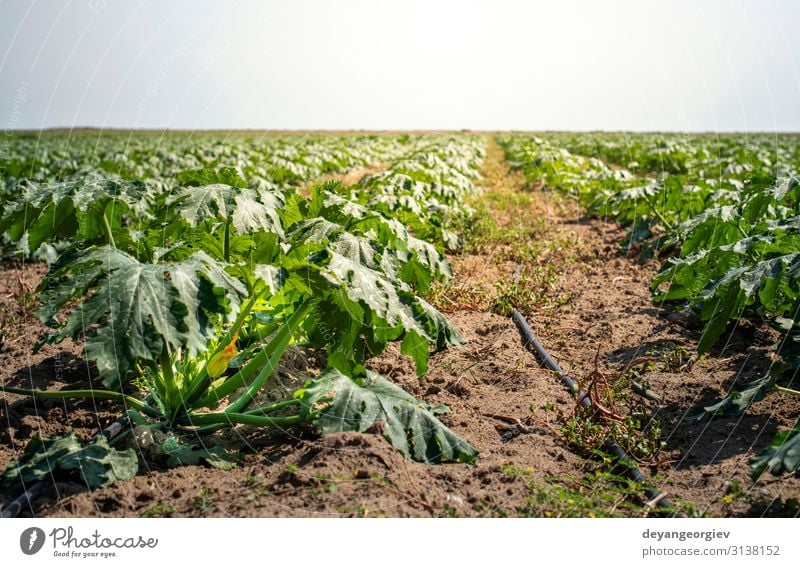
(354, 222)
(226, 251)
(242, 418)
(170, 396)
(107, 227)
(660, 216)
(742, 231)
(269, 357)
(786, 390)
(104, 394)
(258, 411)
(262, 332)
(273, 407)
(204, 430)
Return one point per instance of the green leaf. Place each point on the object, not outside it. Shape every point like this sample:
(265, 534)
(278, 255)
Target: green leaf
(357, 249)
(727, 303)
(737, 402)
(72, 209)
(248, 210)
(180, 455)
(339, 403)
(38, 461)
(420, 263)
(416, 346)
(98, 463)
(139, 308)
(782, 456)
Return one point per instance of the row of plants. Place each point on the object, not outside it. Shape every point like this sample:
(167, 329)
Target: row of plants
(425, 190)
(702, 155)
(186, 300)
(161, 159)
(727, 224)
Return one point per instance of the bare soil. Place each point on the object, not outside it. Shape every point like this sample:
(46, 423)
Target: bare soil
(351, 177)
(595, 318)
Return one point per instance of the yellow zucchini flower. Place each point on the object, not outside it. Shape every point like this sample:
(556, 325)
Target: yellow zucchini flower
(219, 362)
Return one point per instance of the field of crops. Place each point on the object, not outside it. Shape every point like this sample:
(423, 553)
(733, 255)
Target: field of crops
(262, 324)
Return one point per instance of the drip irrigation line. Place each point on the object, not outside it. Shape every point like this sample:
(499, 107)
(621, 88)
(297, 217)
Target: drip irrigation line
(27, 498)
(531, 343)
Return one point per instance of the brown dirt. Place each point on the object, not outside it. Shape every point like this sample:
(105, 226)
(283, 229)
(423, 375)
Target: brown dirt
(501, 401)
(54, 367)
(351, 177)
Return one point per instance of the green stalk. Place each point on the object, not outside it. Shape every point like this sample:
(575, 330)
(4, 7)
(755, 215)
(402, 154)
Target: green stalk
(279, 345)
(170, 395)
(258, 411)
(241, 418)
(266, 360)
(104, 394)
(353, 223)
(786, 390)
(263, 331)
(658, 213)
(273, 407)
(205, 430)
(226, 251)
(742, 231)
(107, 227)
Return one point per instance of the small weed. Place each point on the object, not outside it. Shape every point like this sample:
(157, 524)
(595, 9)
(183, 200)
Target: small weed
(27, 302)
(737, 496)
(639, 434)
(449, 512)
(380, 479)
(475, 232)
(594, 495)
(486, 509)
(457, 295)
(159, 510)
(450, 367)
(677, 360)
(581, 433)
(256, 488)
(531, 290)
(734, 492)
(516, 472)
(204, 501)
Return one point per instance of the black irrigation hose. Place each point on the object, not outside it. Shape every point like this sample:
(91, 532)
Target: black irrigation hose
(12, 510)
(631, 470)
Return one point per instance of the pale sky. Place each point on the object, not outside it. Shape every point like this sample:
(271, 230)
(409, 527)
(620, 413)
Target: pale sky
(568, 65)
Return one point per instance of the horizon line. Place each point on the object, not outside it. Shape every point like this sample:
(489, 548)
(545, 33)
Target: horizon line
(101, 129)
